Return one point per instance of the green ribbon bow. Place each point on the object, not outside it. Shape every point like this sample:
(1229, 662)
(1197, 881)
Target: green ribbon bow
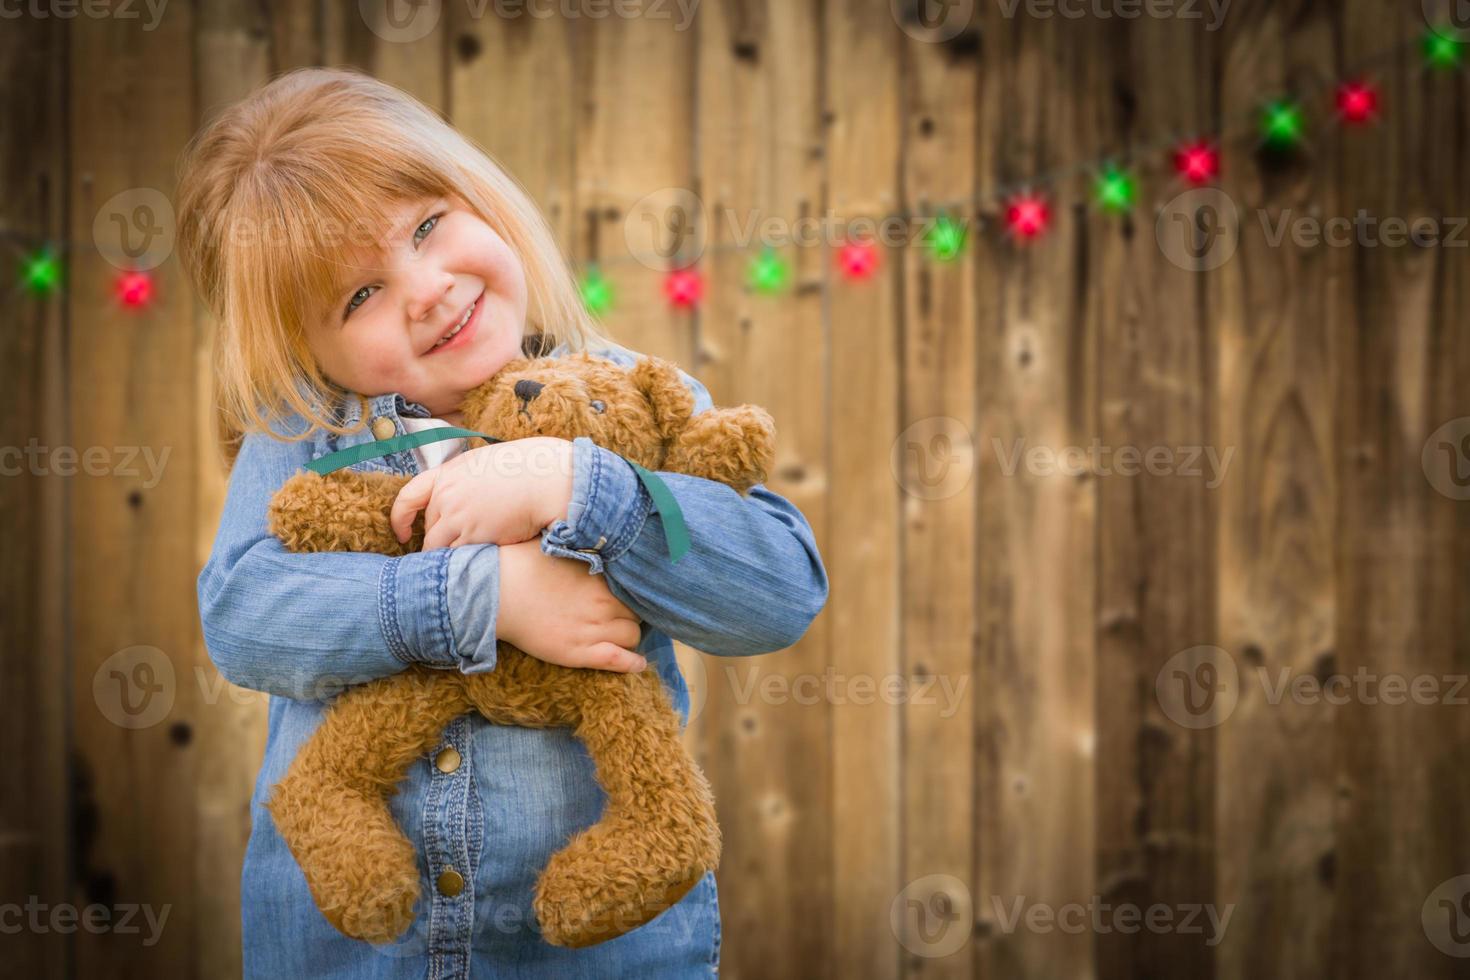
(676, 532)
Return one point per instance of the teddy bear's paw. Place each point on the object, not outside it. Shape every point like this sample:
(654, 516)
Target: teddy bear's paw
(735, 446)
(610, 880)
(361, 870)
(379, 907)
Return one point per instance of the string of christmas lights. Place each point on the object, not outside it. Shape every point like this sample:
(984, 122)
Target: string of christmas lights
(1024, 207)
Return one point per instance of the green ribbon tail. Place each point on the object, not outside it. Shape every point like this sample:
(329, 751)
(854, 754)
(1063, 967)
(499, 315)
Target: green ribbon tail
(676, 532)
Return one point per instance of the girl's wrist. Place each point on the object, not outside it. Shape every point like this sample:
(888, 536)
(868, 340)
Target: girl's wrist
(556, 493)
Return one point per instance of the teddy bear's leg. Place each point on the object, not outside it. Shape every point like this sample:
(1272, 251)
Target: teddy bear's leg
(658, 834)
(734, 446)
(331, 807)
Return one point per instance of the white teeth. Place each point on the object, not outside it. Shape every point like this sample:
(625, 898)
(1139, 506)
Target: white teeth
(458, 326)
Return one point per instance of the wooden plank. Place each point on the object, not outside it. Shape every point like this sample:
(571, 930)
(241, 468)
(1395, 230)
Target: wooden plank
(1037, 526)
(936, 472)
(34, 858)
(1399, 317)
(861, 82)
(1156, 544)
(760, 157)
(1276, 779)
(399, 43)
(635, 133)
(238, 46)
(133, 542)
(509, 85)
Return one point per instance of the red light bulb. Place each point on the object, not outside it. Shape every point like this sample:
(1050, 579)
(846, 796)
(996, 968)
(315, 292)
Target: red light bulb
(1197, 162)
(858, 260)
(1357, 102)
(684, 288)
(1027, 216)
(134, 289)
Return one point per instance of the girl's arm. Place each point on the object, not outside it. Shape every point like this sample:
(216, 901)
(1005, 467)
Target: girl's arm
(751, 582)
(304, 625)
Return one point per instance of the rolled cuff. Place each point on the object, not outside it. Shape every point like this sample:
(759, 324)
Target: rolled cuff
(416, 593)
(608, 509)
(474, 605)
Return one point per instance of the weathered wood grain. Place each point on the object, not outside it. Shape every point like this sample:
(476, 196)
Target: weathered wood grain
(766, 748)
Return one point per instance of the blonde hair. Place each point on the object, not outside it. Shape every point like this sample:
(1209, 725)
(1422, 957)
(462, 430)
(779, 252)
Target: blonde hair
(275, 193)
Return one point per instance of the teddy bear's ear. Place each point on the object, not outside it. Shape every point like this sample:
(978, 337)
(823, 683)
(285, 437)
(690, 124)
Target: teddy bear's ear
(668, 395)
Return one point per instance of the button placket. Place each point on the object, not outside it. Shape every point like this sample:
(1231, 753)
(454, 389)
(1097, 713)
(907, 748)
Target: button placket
(447, 851)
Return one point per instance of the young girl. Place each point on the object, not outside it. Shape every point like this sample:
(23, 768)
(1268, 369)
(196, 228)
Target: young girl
(367, 266)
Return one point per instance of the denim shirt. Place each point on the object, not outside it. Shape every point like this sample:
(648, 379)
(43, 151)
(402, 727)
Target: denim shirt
(301, 626)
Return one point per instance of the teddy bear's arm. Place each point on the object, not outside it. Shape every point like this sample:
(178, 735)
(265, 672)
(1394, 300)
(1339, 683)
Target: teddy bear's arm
(341, 511)
(734, 446)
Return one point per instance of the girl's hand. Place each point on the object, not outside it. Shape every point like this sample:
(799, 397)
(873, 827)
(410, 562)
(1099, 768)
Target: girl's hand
(501, 494)
(553, 610)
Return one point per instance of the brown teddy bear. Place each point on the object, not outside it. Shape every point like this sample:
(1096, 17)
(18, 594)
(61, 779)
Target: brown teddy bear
(658, 834)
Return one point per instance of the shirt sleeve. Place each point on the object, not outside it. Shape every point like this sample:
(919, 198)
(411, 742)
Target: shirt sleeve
(751, 582)
(305, 625)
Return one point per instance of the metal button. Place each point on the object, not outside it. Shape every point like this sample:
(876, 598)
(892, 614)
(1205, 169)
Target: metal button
(447, 760)
(450, 882)
(383, 427)
(601, 540)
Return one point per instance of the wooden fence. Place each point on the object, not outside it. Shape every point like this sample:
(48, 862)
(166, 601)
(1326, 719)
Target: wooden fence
(869, 834)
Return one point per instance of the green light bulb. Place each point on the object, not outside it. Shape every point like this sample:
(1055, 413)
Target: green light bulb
(947, 239)
(1114, 190)
(767, 273)
(1281, 124)
(597, 294)
(1441, 50)
(41, 273)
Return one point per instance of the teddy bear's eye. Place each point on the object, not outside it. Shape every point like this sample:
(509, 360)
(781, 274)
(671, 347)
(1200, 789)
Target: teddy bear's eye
(598, 406)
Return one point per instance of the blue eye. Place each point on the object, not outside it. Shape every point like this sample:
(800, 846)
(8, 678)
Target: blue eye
(423, 230)
(358, 298)
(598, 406)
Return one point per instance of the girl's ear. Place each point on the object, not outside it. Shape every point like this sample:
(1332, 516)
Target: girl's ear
(669, 397)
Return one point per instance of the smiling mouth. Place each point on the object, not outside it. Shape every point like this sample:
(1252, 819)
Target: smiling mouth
(459, 325)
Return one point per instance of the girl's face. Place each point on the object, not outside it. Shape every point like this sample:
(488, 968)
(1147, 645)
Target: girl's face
(436, 310)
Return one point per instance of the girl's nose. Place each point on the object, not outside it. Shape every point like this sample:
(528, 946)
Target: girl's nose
(427, 288)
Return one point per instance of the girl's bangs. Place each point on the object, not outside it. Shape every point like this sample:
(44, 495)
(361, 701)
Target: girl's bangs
(313, 233)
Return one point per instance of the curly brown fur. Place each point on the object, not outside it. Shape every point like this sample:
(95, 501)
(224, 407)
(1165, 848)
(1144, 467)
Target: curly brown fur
(658, 834)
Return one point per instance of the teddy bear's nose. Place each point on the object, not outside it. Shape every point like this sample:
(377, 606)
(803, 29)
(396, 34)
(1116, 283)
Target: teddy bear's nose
(528, 389)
